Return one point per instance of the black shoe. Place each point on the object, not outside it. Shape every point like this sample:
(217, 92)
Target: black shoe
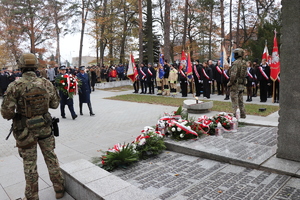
(226, 98)
(92, 114)
(64, 117)
(81, 113)
(74, 117)
(159, 93)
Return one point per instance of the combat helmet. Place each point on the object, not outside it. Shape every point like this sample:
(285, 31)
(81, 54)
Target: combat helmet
(28, 60)
(238, 52)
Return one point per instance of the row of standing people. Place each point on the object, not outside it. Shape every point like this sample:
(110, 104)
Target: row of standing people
(206, 79)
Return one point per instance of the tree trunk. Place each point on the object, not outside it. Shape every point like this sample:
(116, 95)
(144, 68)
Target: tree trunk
(140, 33)
(238, 25)
(102, 27)
(84, 17)
(150, 33)
(230, 22)
(210, 32)
(222, 22)
(167, 46)
(185, 23)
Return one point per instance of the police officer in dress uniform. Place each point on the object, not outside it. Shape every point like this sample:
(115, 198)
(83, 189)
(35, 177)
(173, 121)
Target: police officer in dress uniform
(26, 102)
(65, 99)
(84, 90)
(237, 81)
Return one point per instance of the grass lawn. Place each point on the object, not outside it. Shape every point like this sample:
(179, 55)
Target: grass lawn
(251, 109)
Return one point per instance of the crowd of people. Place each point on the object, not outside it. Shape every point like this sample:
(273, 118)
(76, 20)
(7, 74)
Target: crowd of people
(207, 78)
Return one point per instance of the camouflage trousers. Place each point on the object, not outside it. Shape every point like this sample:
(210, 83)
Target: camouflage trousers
(29, 156)
(237, 101)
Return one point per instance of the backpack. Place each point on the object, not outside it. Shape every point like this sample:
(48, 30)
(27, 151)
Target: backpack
(34, 99)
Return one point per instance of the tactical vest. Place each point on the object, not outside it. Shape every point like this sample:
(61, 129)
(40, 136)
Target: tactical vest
(34, 100)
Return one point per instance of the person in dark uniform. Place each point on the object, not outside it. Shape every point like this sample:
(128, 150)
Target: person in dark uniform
(263, 76)
(142, 77)
(136, 84)
(150, 78)
(93, 77)
(166, 78)
(65, 99)
(183, 81)
(84, 90)
(197, 77)
(255, 86)
(218, 75)
(250, 80)
(212, 81)
(4, 80)
(207, 75)
(225, 81)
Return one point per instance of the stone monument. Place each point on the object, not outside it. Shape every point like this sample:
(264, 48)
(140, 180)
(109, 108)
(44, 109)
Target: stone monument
(289, 113)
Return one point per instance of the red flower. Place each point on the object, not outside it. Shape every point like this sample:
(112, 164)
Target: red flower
(66, 87)
(62, 81)
(65, 76)
(224, 124)
(147, 136)
(71, 90)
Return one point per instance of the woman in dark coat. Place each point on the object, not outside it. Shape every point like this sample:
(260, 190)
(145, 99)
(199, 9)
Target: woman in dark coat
(84, 90)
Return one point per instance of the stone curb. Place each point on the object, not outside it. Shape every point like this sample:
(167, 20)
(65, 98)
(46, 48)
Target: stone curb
(271, 164)
(84, 179)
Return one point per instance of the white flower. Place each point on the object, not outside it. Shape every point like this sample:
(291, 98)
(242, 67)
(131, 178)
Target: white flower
(178, 129)
(180, 120)
(184, 123)
(63, 83)
(142, 142)
(181, 135)
(173, 129)
(188, 127)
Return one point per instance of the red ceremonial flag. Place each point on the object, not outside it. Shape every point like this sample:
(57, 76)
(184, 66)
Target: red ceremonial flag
(275, 62)
(132, 71)
(189, 70)
(183, 59)
(265, 53)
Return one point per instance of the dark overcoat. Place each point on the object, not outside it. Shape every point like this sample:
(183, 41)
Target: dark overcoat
(85, 88)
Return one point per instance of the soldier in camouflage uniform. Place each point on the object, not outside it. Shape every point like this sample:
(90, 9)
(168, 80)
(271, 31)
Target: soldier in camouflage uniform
(27, 101)
(237, 81)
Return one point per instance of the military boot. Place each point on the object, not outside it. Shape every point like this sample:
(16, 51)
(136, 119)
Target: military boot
(59, 195)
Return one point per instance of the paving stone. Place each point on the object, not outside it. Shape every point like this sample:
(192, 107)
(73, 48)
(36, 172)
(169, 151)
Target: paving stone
(210, 180)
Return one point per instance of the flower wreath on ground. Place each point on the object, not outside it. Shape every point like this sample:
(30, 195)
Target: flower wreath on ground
(149, 143)
(207, 125)
(68, 84)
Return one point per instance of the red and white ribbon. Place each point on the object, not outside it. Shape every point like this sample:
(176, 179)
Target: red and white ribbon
(219, 70)
(144, 75)
(196, 72)
(205, 74)
(263, 73)
(149, 71)
(225, 75)
(182, 73)
(249, 74)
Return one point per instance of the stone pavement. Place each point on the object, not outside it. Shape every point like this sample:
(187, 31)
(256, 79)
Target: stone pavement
(119, 122)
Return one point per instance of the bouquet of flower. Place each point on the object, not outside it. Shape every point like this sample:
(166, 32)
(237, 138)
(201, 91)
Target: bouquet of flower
(149, 143)
(207, 125)
(181, 130)
(119, 156)
(68, 84)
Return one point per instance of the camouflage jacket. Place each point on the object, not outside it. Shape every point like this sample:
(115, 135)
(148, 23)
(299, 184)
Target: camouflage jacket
(13, 92)
(238, 73)
(12, 103)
